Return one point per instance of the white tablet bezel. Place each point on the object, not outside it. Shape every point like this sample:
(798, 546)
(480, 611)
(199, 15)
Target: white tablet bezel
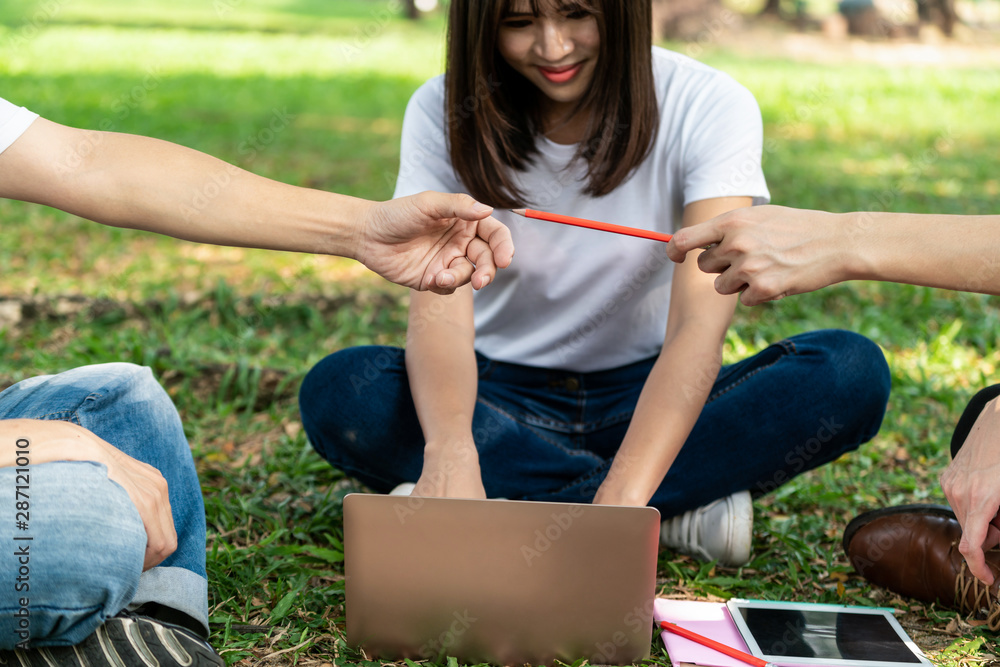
(735, 604)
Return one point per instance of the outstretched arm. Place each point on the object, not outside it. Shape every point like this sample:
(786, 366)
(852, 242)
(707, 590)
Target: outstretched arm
(428, 241)
(770, 252)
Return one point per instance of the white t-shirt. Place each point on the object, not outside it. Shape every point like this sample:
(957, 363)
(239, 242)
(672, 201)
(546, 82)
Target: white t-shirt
(584, 300)
(13, 122)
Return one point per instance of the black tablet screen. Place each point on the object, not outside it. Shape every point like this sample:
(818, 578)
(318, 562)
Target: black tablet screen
(826, 634)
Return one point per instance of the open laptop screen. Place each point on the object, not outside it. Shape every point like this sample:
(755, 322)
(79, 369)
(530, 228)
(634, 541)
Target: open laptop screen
(499, 581)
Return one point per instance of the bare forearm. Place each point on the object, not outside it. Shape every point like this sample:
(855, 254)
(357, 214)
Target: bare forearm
(143, 183)
(669, 405)
(948, 251)
(678, 386)
(33, 441)
(441, 365)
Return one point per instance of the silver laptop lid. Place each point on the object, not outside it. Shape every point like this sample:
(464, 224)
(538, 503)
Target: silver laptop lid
(499, 581)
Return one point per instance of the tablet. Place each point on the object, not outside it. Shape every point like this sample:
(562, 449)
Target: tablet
(824, 634)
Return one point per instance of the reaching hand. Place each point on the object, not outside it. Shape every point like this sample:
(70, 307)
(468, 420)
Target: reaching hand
(434, 241)
(605, 496)
(450, 472)
(972, 484)
(620, 484)
(766, 252)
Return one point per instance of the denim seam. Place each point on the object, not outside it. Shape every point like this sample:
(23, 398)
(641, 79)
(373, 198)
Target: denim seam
(63, 415)
(583, 480)
(541, 436)
(528, 420)
(590, 427)
(785, 344)
(614, 419)
(73, 415)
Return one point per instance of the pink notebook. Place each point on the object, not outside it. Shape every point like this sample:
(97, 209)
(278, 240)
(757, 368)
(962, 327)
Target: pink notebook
(708, 619)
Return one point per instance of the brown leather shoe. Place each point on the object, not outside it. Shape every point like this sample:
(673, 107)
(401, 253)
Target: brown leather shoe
(913, 551)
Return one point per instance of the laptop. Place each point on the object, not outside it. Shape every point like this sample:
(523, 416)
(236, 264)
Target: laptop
(499, 581)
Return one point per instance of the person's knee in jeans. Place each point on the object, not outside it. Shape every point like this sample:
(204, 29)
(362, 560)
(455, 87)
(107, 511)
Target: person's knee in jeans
(133, 412)
(123, 405)
(859, 383)
(76, 558)
(355, 402)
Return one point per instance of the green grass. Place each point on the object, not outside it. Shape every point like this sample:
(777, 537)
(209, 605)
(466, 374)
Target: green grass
(840, 137)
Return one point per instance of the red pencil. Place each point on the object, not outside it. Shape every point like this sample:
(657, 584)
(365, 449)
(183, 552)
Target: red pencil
(711, 643)
(593, 224)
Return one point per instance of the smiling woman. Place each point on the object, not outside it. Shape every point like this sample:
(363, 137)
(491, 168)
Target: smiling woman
(609, 111)
(591, 371)
(557, 50)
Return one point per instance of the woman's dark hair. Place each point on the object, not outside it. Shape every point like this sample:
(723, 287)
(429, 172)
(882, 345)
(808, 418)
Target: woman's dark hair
(493, 113)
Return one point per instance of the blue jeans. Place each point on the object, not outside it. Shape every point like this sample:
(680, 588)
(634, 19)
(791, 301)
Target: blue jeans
(84, 560)
(551, 435)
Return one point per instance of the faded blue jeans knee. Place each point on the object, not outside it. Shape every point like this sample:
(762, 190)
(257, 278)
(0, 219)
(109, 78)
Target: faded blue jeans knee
(71, 552)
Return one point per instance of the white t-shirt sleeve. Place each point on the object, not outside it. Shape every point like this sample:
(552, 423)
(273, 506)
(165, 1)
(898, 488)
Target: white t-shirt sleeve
(424, 163)
(724, 146)
(13, 122)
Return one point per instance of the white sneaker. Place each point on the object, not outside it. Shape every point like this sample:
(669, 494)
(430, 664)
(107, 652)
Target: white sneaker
(404, 489)
(720, 531)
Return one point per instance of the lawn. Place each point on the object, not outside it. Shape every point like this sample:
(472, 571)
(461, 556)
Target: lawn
(231, 332)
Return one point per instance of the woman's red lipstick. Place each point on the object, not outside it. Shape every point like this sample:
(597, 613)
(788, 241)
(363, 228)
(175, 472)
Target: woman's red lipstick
(560, 74)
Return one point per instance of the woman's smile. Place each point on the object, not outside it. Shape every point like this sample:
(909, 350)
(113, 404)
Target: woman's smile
(560, 74)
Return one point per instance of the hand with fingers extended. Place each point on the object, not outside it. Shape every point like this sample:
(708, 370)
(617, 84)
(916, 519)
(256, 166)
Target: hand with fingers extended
(434, 241)
(972, 485)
